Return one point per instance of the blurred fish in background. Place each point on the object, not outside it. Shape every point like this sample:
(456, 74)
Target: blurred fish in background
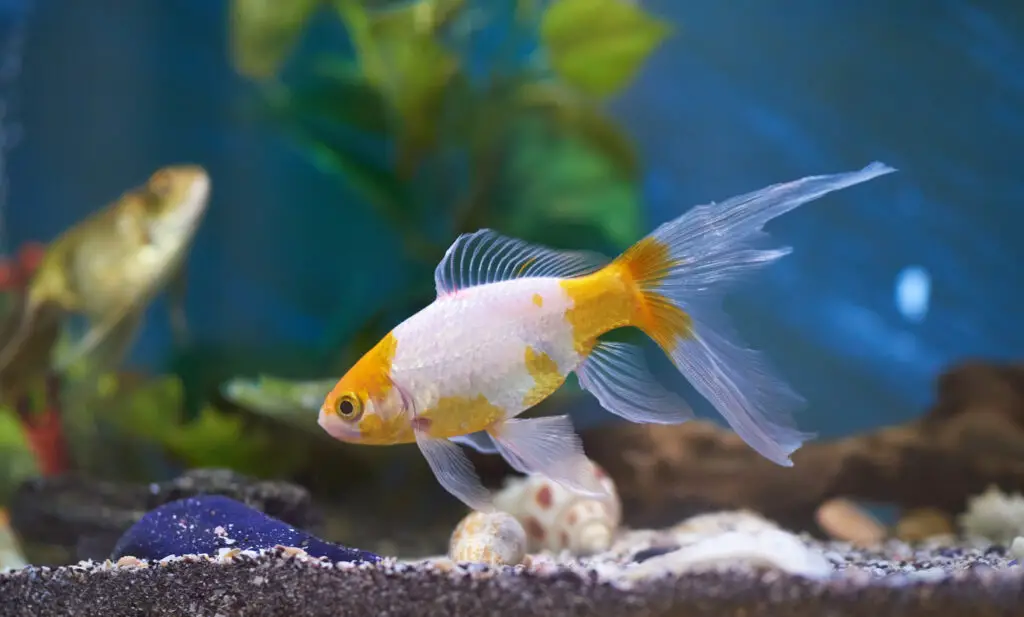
(105, 270)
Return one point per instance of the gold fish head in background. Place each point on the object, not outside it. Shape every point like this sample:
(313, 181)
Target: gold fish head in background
(170, 202)
(109, 266)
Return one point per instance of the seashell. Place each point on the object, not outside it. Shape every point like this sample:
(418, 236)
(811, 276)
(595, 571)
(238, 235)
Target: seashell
(557, 518)
(764, 549)
(495, 538)
(721, 521)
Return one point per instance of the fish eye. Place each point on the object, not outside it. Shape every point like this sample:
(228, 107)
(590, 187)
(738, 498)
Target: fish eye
(160, 184)
(349, 406)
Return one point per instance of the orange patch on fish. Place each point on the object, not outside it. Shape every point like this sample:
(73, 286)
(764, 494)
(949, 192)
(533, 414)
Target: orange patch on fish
(648, 261)
(622, 294)
(546, 376)
(538, 300)
(647, 264)
(453, 416)
(602, 301)
(384, 431)
(370, 377)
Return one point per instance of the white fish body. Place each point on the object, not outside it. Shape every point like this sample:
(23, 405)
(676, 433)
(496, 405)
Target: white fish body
(474, 343)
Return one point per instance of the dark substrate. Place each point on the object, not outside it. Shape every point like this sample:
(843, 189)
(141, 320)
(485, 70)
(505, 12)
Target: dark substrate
(276, 583)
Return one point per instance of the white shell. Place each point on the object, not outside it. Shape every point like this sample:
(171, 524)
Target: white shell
(762, 548)
(496, 538)
(714, 523)
(556, 518)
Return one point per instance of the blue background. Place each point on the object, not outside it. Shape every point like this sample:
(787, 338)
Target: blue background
(744, 95)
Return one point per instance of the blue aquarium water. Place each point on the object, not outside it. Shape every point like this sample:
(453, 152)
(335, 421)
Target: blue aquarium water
(889, 282)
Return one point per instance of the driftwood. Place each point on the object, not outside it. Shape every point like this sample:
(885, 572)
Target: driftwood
(973, 437)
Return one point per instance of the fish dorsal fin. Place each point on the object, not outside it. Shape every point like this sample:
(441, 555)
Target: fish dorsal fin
(485, 256)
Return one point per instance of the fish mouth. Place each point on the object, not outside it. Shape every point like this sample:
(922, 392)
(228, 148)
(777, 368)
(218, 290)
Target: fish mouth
(337, 428)
(195, 203)
(199, 192)
(181, 223)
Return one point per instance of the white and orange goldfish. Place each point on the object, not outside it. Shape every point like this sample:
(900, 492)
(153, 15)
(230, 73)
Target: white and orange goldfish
(511, 320)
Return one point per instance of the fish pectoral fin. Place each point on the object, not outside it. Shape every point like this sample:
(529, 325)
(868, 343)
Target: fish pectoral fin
(109, 352)
(619, 378)
(454, 471)
(123, 322)
(176, 296)
(479, 441)
(548, 446)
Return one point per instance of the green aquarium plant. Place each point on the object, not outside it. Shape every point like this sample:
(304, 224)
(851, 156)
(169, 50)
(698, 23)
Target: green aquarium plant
(447, 116)
(133, 427)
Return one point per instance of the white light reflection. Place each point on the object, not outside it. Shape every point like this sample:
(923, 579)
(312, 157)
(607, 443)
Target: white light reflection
(913, 290)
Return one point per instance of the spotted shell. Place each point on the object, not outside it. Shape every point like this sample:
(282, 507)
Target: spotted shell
(556, 518)
(495, 538)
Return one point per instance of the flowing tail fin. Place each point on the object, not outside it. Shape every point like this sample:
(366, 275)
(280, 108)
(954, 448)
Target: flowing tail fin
(680, 272)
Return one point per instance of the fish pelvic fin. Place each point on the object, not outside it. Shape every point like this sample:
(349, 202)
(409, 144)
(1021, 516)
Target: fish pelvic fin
(677, 276)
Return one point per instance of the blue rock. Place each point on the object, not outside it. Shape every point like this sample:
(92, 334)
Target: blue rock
(208, 523)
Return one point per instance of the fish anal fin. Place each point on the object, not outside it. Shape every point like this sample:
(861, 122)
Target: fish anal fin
(617, 375)
(111, 349)
(120, 323)
(548, 446)
(177, 290)
(485, 256)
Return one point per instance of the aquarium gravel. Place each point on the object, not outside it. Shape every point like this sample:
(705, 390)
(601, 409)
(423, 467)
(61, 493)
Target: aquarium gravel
(893, 580)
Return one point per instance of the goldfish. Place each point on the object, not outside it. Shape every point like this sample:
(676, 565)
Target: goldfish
(511, 320)
(107, 268)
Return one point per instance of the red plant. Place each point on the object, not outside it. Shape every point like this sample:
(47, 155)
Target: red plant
(15, 274)
(44, 431)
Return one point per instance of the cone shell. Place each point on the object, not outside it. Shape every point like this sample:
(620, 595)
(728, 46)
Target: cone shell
(495, 538)
(556, 518)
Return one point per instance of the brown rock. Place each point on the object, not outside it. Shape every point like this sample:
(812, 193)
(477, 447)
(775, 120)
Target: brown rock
(919, 524)
(971, 438)
(844, 520)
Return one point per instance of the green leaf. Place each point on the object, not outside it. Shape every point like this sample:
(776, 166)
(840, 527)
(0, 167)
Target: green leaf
(291, 402)
(370, 26)
(338, 95)
(263, 32)
(145, 409)
(114, 423)
(376, 183)
(400, 53)
(578, 115)
(599, 45)
(560, 189)
(218, 439)
(17, 461)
